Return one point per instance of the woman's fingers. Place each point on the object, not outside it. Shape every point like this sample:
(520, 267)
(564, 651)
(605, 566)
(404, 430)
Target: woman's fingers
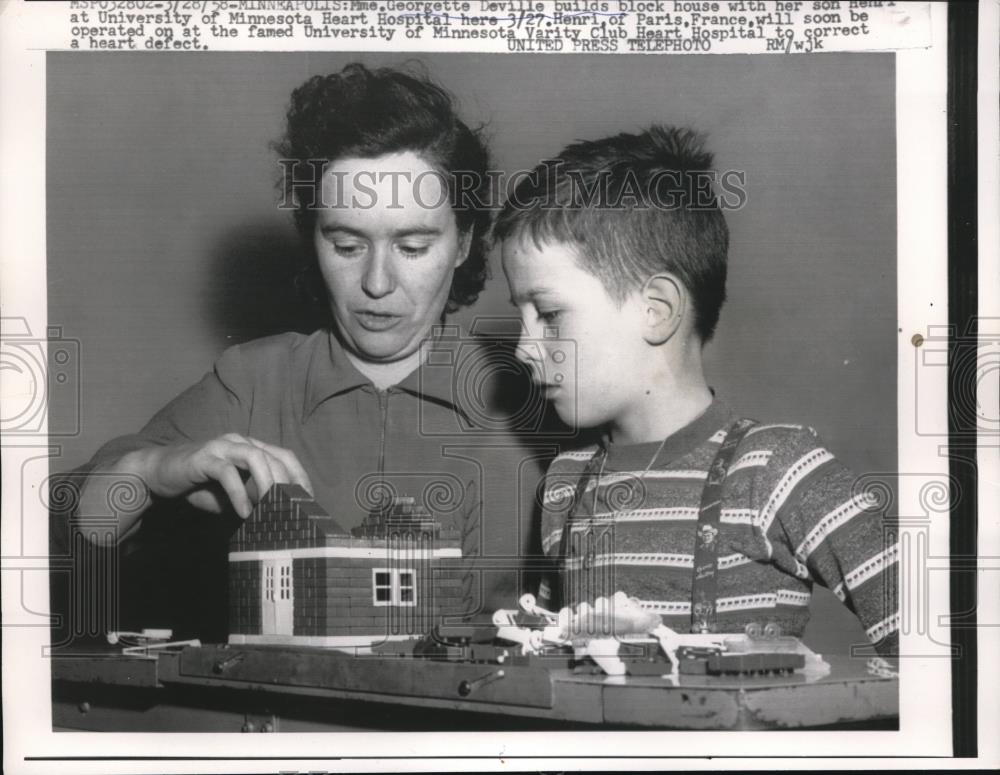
(225, 461)
(294, 471)
(220, 470)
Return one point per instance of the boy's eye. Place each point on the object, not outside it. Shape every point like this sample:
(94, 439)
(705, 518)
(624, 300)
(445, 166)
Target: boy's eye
(549, 316)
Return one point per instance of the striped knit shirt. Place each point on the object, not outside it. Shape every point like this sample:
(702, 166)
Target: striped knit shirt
(790, 516)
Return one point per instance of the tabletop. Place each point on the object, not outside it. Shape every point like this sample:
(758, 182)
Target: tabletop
(282, 688)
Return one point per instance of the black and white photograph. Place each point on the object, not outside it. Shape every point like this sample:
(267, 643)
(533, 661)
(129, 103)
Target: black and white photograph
(429, 392)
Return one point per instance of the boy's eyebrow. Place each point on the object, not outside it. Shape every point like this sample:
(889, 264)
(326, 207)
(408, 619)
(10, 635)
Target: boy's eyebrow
(531, 295)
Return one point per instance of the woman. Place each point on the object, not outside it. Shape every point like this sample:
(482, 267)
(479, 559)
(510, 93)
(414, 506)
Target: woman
(367, 407)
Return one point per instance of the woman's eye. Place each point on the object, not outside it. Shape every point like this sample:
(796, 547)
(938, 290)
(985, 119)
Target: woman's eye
(348, 249)
(413, 250)
(549, 316)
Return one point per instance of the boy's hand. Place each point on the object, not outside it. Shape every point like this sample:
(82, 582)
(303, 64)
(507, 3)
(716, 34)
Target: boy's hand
(231, 468)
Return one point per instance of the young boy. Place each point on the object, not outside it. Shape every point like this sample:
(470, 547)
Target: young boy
(616, 258)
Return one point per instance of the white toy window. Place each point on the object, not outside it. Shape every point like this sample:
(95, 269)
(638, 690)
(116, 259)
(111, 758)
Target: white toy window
(394, 587)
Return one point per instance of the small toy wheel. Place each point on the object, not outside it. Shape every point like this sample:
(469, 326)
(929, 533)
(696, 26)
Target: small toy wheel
(752, 630)
(527, 602)
(772, 630)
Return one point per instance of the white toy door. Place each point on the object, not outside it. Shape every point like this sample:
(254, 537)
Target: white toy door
(277, 597)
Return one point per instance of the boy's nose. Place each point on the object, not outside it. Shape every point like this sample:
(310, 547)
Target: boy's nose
(528, 350)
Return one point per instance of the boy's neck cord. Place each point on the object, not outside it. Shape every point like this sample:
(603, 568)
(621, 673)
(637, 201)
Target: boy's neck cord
(704, 577)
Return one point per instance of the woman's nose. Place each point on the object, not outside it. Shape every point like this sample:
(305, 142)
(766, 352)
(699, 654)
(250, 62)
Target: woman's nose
(378, 280)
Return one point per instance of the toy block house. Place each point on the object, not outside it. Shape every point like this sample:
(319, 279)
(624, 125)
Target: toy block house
(297, 577)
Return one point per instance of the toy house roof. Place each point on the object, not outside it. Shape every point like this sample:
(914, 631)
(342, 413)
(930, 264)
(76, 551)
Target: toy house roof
(401, 515)
(287, 517)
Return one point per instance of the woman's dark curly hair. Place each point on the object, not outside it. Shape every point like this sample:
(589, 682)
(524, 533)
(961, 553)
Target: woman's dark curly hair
(366, 113)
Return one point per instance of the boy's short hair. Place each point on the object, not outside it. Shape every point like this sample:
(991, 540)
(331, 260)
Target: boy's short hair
(633, 205)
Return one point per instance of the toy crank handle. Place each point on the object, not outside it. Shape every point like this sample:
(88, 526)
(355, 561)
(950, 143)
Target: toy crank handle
(152, 647)
(147, 634)
(224, 664)
(465, 688)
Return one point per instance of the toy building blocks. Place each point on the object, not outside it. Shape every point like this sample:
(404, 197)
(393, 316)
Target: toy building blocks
(297, 577)
(621, 638)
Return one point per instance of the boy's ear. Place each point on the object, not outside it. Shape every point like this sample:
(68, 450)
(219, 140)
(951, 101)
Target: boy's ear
(663, 302)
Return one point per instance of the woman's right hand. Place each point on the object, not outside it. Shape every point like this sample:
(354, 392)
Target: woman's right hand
(229, 470)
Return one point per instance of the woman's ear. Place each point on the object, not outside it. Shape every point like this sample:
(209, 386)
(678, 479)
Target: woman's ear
(663, 300)
(464, 245)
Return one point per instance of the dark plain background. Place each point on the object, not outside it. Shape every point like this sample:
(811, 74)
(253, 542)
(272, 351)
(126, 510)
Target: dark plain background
(165, 244)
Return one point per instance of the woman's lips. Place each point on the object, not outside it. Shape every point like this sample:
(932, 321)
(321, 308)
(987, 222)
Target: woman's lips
(376, 321)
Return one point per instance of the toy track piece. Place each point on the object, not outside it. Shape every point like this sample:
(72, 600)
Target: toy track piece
(467, 633)
(649, 667)
(391, 648)
(694, 660)
(431, 647)
(759, 662)
(693, 666)
(639, 650)
(485, 652)
(697, 652)
(451, 654)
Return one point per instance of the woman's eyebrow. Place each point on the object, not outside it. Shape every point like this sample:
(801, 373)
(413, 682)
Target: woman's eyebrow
(429, 231)
(406, 231)
(328, 227)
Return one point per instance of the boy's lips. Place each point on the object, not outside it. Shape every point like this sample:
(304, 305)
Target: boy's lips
(547, 387)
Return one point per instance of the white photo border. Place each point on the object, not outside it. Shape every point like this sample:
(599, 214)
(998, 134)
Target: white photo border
(925, 684)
